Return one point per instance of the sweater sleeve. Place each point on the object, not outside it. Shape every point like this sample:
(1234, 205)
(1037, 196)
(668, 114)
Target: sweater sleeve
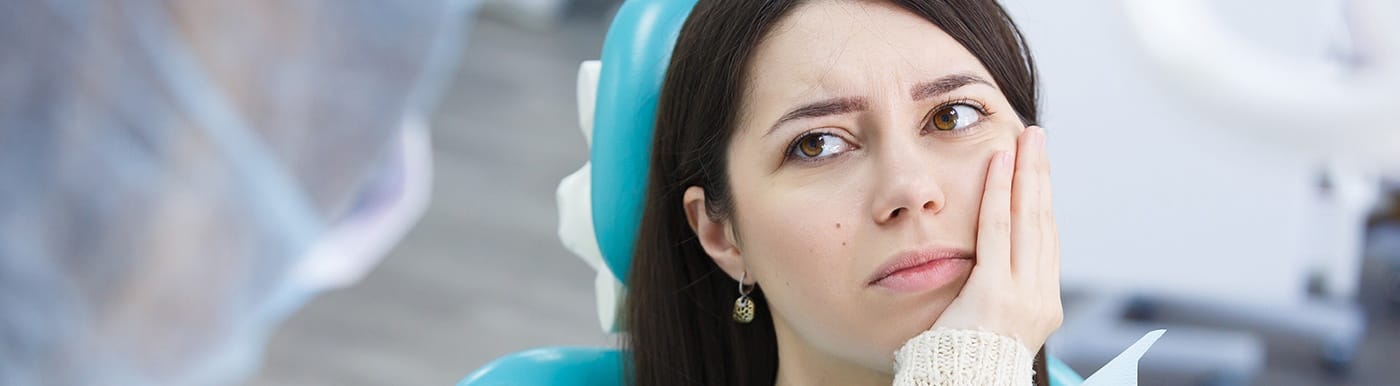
(962, 357)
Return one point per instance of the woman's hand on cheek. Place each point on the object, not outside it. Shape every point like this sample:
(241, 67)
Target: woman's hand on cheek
(1014, 289)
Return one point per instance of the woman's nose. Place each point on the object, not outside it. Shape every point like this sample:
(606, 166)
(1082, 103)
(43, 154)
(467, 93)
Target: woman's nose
(905, 186)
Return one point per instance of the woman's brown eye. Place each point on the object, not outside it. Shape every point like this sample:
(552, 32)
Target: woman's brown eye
(946, 118)
(812, 145)
(954, 117)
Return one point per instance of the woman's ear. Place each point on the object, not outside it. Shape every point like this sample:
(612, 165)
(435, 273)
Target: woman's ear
(715, 236)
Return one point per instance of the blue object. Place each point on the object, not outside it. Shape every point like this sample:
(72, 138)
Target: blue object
(552, 366)
(1060, 373)
(635, 55)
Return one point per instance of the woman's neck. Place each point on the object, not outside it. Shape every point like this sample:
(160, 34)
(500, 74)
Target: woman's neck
(801, 364)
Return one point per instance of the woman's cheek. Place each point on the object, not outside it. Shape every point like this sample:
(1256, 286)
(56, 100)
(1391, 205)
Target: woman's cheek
(804, 229)
(800, 239)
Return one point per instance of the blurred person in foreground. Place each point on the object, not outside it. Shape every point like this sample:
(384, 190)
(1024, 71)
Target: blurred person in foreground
(177, 177)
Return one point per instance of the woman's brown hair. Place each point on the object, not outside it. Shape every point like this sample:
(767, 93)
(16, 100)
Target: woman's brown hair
(679, 329)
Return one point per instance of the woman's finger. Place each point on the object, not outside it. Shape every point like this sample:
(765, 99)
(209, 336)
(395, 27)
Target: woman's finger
(1050, 263)
(1050, 268)
(1026, 237)
(994, 218)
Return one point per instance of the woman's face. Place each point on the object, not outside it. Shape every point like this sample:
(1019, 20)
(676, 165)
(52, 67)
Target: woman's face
(864, 136)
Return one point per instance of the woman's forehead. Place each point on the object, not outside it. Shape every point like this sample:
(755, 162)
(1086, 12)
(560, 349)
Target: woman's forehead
(843, 48)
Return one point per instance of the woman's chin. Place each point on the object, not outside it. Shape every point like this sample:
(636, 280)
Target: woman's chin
(910, 317)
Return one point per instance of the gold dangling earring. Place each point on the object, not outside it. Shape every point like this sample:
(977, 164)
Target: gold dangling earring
(743, 307)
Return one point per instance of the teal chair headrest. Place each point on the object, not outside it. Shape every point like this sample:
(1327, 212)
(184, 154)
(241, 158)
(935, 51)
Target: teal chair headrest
(635, 55)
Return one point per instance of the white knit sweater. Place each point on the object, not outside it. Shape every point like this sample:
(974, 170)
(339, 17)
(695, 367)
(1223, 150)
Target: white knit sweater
(944, 356)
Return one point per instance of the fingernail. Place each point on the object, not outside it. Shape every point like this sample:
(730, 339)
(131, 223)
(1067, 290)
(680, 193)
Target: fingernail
(1038, 135)
(1004, 158)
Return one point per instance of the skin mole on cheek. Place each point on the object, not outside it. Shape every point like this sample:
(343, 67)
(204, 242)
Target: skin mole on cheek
(838, 225)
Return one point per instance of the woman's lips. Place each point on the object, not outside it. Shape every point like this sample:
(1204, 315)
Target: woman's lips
(923, 269)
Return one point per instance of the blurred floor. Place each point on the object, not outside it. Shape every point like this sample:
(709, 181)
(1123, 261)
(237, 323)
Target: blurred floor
(1377, 360)
(483, 273)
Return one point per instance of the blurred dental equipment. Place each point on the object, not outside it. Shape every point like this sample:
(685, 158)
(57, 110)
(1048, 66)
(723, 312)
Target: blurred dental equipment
(1349, 92)
(178, 177)
(1336, 108)
(1236, 213)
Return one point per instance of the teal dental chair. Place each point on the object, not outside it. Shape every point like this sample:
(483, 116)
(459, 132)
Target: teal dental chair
(626, 87)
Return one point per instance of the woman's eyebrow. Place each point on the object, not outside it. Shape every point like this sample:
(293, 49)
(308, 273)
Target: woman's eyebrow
(944, 85)
(834, 106)
(837, 106)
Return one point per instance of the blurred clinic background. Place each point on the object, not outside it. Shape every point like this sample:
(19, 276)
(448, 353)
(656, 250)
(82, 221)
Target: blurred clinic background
(364, 192)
